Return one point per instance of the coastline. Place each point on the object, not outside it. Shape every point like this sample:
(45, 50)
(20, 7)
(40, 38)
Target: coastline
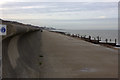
(97, 40)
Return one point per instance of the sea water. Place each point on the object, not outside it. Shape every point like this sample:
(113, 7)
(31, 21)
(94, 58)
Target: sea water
(104, 34)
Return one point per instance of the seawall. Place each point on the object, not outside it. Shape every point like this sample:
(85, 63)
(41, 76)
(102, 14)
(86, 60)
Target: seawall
(19, 59)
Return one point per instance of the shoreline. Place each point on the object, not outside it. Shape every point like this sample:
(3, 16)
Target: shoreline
(94, 41)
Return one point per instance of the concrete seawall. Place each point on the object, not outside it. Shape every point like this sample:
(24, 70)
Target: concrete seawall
(19, 59)
(14, 28)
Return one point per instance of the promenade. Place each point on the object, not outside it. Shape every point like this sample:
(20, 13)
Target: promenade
(63, 57)
(66, 57)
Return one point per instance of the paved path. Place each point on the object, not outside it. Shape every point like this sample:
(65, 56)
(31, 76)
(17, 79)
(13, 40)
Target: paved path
(68, 57)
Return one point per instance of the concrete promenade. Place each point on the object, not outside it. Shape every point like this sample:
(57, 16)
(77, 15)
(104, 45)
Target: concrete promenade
(63, 57)
(67, 57)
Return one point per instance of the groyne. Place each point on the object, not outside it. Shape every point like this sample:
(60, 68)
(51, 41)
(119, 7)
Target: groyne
(91, 39)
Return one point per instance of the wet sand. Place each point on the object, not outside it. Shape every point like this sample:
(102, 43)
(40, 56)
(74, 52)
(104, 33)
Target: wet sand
(63, 57)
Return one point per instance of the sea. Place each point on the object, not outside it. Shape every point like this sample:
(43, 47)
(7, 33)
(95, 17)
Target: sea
(104, 34)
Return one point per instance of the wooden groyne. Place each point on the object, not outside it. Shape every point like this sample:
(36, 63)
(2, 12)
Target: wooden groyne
(97, 40)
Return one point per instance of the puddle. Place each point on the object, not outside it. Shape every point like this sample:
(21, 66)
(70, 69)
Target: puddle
(88, 70)
(110, 49)
(95, 44)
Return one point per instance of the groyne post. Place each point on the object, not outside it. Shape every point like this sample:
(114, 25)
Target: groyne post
(110, 40)
(115, 41)
(78, 35)
(106, 40)
(81, 37)
(98, 39)
(84, 36)
(90, 38)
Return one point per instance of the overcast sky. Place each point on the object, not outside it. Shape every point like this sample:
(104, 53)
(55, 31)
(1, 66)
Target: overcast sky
(63, 15)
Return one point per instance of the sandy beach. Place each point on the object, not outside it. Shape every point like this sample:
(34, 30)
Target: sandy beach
(63, 57)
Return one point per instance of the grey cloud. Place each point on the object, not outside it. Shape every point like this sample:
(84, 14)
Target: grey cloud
(58, 7)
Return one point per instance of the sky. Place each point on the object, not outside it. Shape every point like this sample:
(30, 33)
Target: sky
(63, 15)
